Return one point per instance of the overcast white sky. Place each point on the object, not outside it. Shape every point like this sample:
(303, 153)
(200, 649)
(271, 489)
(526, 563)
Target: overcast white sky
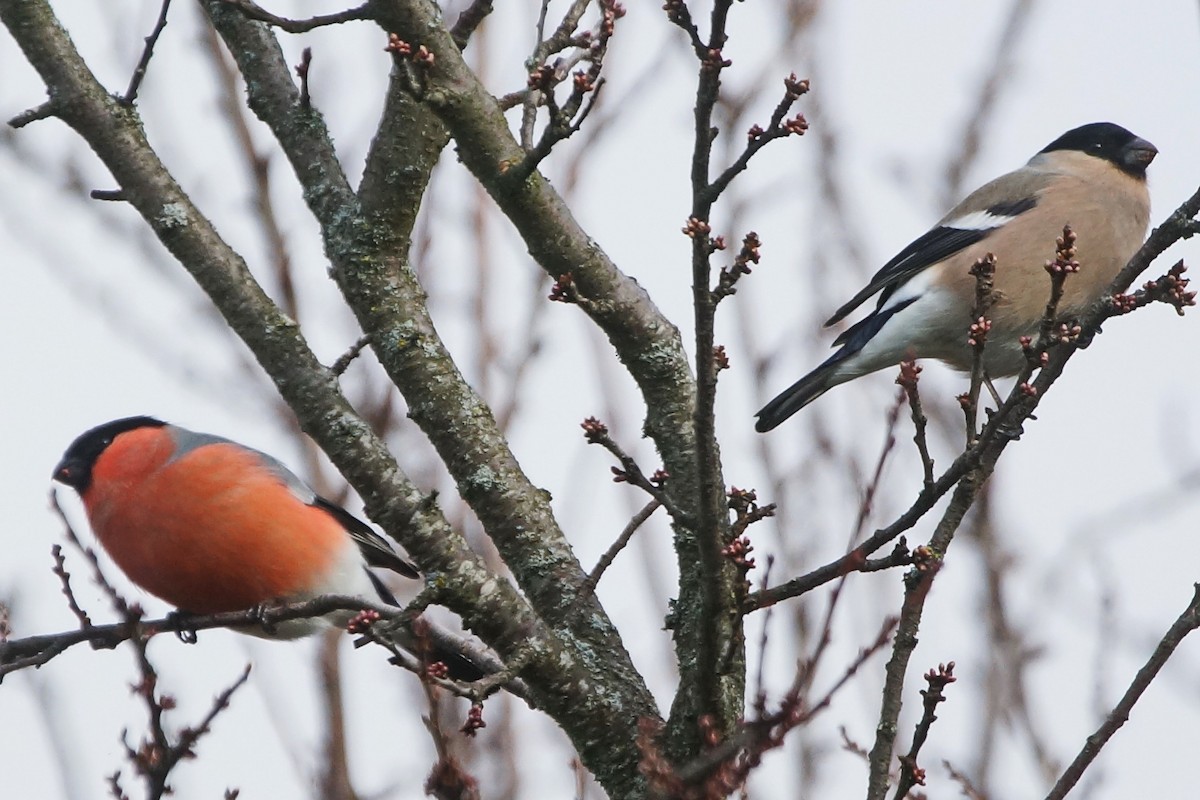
(1089, 499)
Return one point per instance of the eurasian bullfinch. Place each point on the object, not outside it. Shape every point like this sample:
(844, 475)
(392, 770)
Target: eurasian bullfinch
(1092, 178)
(209, 525)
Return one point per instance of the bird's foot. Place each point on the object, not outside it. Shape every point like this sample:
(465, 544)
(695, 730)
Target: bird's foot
(1085, 340)
(182, 623)
(260, 612)
(1012, 431)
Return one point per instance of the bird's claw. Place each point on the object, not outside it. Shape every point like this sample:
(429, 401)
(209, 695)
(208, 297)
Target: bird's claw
(1085, 339)
(181, 624)
(260, 612)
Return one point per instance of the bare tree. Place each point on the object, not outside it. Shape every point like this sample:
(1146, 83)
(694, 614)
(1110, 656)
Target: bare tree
(500, 559)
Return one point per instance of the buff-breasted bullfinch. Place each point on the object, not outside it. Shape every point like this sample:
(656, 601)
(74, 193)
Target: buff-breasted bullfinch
(210, 525)
(1092, 178)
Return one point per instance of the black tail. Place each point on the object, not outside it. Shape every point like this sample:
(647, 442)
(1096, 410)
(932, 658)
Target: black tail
(433, 646)
(796, 396)
(820, 380)
(459, 665)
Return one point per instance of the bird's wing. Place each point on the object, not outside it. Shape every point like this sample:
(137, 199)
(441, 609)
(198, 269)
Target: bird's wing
(930, 248)
(985, 210)
(375, 549)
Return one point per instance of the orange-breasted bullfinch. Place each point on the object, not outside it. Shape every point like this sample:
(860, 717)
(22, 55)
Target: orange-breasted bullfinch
(1092, 178)
(210, 525)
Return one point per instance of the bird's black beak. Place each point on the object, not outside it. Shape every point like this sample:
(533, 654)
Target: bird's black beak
(1138, 154)
(70, 472)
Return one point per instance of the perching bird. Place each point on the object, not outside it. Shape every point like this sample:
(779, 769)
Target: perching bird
(210, 525)
(1092, 178)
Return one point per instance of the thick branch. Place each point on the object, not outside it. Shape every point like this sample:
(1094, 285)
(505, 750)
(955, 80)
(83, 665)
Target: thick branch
(645, 340)
(369, 257)
(370, 265)
(709, 630)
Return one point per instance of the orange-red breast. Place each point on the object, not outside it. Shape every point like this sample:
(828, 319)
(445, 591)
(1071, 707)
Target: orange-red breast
(210, 525)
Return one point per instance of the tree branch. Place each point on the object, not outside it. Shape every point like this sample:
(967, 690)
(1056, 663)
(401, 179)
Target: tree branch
(139, 72)
(1187, 622)
(646, 342)
(371, 268)
(256, 12)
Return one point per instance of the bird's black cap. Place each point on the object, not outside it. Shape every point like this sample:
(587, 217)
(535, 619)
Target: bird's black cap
(75, 468)
(1106, 140)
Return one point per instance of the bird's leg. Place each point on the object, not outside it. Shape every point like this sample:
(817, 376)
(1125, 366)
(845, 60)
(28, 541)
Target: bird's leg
(1010, 431)
(181, 620)
(991, 387)
(259, 610)
(1082, 342)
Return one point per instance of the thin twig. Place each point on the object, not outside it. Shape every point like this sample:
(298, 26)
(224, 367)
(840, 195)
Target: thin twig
(1064, 264)
(470, 19)
(109, 195)
(32, 651)
(746, 512)
(899, 557)
(984, 272)
(679, 14)
(44, 111)
(809, 669)
(1187, 622)
(156, 756)
(712, 591)
(564, 121)
(910, 373)
(918, 583)
(629, 472)
(968, 788)
(346, 358)
(302, 73)
(755, 737)
(259, 171)
(93, 560)
(256, 12)
(760, 680)
(533, 96)
(542, 49)
(448, 779)
(1009, 703)
(333, 779)
(758, 137)
(64, 577)
(911, 774)
(139, 72)
(868, 498)
(606, 560)
(999, 75)
(729, 277)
